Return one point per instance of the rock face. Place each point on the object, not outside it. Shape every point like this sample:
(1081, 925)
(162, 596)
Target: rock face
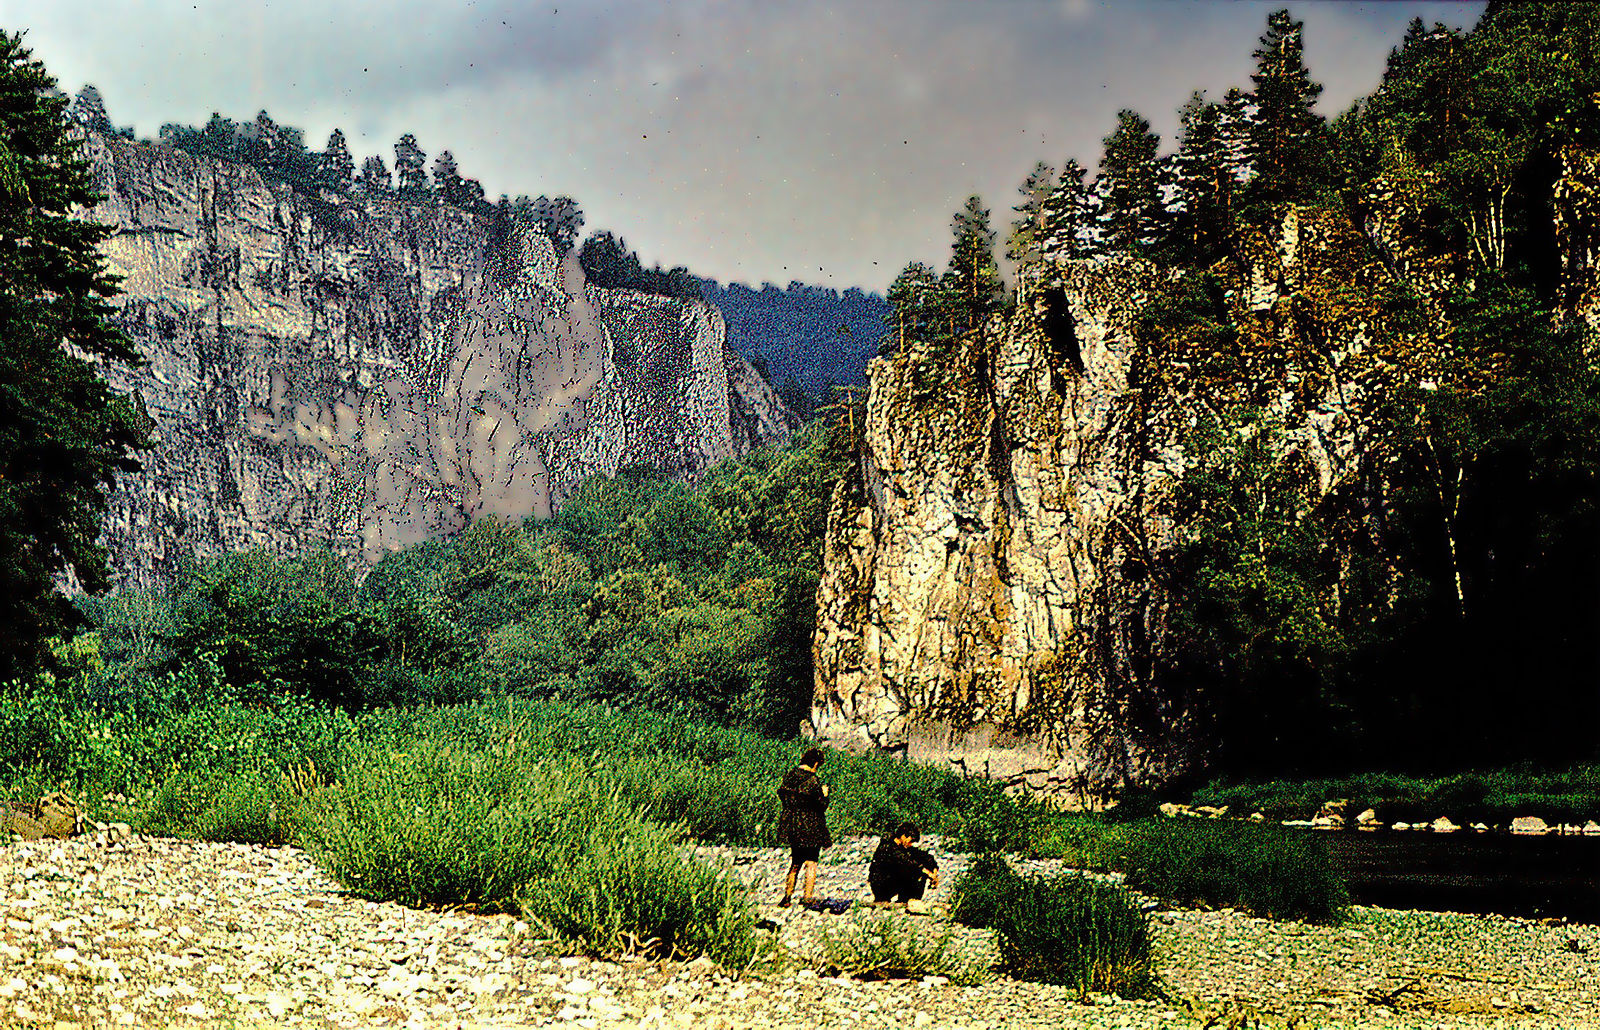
(368, 375)
(992, 594)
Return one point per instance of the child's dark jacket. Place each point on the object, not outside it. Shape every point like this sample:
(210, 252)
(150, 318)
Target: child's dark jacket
(898, 867)
(801, 823)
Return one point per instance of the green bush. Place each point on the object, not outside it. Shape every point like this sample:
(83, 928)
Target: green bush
(1261, 868)
(250, 807)
(631, 891)
(503, 825)
(1067, 929)
(438, 823)
(891, 947)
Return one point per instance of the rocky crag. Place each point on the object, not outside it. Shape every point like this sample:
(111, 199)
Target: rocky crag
(367, 374)
(993, 596)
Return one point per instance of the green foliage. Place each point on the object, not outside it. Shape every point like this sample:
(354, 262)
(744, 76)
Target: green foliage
(1252, 633)
(1130, 179)
(1287, 138)
(1069, 929)
(630, 890)
(63, 432)
(972, 283)
(893, 947)
(295, 627)
(1567, 795)
(1264, 869)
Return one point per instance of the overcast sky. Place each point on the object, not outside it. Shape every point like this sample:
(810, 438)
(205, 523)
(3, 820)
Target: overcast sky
(752, 141)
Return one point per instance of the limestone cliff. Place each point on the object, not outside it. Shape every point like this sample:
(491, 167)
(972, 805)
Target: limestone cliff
(366, 375)
(993, 593)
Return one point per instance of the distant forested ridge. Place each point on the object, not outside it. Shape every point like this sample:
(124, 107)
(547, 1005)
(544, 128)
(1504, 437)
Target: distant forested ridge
(808, 339)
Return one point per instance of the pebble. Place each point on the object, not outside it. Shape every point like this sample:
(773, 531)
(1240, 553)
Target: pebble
(186, 933)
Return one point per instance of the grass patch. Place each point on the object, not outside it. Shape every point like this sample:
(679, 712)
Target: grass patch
(893, 947)
(1066, 929)
(1263, 869)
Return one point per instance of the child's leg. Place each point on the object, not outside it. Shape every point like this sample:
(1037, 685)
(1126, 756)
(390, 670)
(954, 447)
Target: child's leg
(788, 882)
(811, 880)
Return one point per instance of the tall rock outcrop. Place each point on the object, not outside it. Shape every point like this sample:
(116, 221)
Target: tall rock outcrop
(367, 375)
(993, 595)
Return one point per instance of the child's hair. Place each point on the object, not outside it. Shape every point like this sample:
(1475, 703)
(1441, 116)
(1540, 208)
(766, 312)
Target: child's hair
(812, 757)
(908, 830)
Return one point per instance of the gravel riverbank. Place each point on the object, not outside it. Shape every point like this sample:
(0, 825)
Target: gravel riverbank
(155, 933)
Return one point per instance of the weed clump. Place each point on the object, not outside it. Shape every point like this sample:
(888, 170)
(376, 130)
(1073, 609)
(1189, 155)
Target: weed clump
(1068, 929)
(890, 947)
(1263, 869)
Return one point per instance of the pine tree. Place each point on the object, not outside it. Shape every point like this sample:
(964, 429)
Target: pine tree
(63, 433)
(1023, 245)
(1130, 181)
(972, 282)
(375, 176)
(1205, 184)
(1287, 138)
(1069, 216)
(447, 179)
(410, 170)
(335, 166)
(1233, 125)
(560, 219)
(89, 110)
(916, 308)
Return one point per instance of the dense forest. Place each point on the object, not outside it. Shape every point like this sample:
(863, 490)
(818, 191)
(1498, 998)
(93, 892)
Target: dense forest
(807, 340)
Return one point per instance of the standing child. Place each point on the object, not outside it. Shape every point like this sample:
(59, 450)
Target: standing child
(802, 823)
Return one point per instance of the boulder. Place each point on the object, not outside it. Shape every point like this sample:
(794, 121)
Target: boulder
(55, 815)
(1401, 826)
(1328, 821)
(1367, 818)
(1211, 811)
(1258, 817)
(1443, 825)
(1171, 808)
(1529, 824)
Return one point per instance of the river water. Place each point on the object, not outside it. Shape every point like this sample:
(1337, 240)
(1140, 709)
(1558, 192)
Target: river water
(1550, 876)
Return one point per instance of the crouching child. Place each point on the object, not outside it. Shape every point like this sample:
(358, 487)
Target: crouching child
(900, 871)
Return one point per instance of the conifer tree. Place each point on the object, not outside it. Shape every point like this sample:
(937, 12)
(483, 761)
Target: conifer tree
(1204, 181)
(1287, 138)
(89, 109)
(1234, 121)
(63, 433)
(972, 282)
(335, 166)
(375, 176)
(410, 170)
(1069, 216)
(447, 180)
(916, 308)
(1023, 245)
(1130, 181)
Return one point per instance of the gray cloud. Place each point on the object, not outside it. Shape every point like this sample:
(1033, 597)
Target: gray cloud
(818, 141)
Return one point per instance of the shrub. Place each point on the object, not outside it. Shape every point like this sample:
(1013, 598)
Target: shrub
(1067, 929)
(452, 820)
(888, 947)
(438, 823)
(631, 891)
(1261, 868)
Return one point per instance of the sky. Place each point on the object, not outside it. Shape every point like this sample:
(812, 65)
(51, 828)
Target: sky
(752, 141)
